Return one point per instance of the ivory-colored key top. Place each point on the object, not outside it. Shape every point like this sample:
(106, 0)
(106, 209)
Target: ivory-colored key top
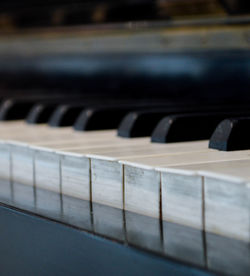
(47, 136)
(86, 142)
(188, 158)
(38, 133)
(137, 148)
(11, 125)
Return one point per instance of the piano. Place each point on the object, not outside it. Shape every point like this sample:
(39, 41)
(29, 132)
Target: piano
(125, 141)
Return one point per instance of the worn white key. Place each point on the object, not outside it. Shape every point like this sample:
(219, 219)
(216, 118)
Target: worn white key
(226, 205)
(47, 182)
(108, 174)
(182, 197)
(142, 182)
(75, 175)
(22, 175)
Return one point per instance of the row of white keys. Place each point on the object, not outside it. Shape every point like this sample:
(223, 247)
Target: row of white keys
(131, 168)
(74, 167)
(86, 144)
(186, 202)
(66, 173)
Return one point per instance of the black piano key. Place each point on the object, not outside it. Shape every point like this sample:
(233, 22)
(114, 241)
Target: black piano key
(109, 116)
(65, 115)
(40, 113)
(18, 107)
(43, 110)
(140, 123)
(100, 118)
(188, 127)
(231, 134)
(12, 109)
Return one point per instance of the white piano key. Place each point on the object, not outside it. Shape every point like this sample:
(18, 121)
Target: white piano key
(22, 174)
(141, 189)
(47, 182)
(227, 207)
(226, 197)
(22, 158)
(47, 169)
(182, 197)
(75, 175)
(5, 160)
(106, 180)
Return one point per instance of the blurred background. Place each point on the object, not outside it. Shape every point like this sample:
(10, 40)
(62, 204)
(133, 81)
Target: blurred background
(192, 49)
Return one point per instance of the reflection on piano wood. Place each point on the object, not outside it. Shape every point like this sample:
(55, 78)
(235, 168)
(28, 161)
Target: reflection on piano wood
(205, 250)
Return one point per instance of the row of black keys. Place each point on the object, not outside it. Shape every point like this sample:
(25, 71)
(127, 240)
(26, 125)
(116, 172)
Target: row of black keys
(164, 121)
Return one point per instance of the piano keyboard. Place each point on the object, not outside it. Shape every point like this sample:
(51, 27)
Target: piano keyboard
(134, 128)
(184, 182)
